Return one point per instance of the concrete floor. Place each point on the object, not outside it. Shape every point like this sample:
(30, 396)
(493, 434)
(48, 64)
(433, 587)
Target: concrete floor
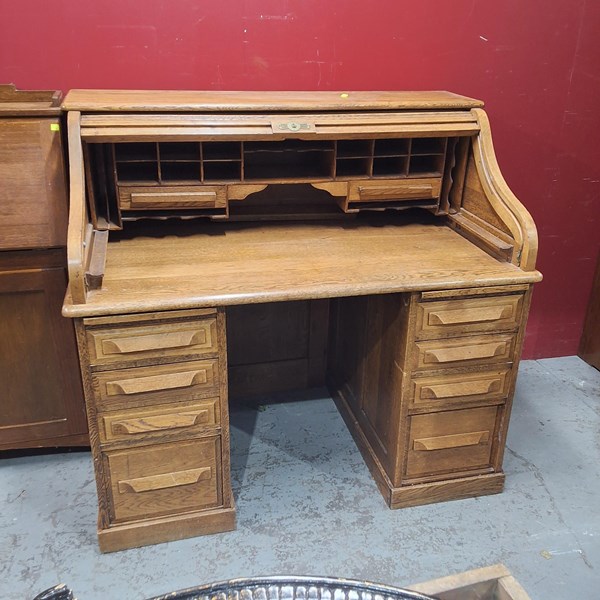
(307, 505)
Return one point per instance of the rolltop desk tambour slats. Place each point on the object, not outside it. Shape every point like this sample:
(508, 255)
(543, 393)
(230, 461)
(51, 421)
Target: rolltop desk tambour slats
(388, 208)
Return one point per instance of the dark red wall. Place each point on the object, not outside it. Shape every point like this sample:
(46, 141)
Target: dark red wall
(536, 64)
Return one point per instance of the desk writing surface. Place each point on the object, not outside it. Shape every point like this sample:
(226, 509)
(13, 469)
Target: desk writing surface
(219, 264)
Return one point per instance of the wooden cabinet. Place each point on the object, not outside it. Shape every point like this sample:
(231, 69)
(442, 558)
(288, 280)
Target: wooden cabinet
(41, 403)
(589, 347)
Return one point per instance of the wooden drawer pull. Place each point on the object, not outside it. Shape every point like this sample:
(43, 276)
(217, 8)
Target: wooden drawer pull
(445, 355)
(456, 440)
(462, 388)
(470, 315)
(389, 192)
(156, 341)
(159, 422)
(155, 383)
(164, 481)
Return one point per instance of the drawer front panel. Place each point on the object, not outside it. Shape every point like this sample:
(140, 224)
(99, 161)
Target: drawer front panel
(394, 189)
(442, 391)
(176, 197)
(468, 315)
(156, 384)
(164, 479)
(444, 442)
(163, 340)
(467, 351)
(143, 424)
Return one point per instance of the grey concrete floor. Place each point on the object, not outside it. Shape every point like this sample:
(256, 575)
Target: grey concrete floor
(307, 505)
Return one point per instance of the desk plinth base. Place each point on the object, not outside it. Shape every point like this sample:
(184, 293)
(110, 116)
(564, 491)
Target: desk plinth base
(165, 529)
(421, 493)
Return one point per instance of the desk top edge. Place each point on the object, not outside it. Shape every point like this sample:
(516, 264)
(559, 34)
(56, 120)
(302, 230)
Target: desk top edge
(266, 101)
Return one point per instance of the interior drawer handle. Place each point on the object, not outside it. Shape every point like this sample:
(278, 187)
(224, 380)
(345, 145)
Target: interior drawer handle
(153, 383)
(159, 422)
(155, 341)
(457, 440)
(445, 355)
(391, 192)
(462, 388)
(164, 481)
(469, 315)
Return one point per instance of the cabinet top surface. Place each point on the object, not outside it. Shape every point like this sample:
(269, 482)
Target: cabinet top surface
(184, 101)
(227, 264)
(28, 103)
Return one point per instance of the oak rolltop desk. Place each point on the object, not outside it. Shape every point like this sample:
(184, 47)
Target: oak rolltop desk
(388, 206)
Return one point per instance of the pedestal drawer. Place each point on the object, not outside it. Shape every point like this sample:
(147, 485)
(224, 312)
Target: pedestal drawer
(465, 351)
(452, 390)
(459, 441)
(142, 386)
(143, 424)
(468, 315)
(164, 479)
(121, 345)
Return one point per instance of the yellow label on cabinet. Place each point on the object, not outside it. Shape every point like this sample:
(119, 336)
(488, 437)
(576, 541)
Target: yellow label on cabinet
(54, 127)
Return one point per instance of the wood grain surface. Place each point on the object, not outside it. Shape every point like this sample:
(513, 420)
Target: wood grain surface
(244, 264)
(180, 100)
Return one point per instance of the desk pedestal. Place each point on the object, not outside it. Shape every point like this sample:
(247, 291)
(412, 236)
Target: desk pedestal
(156, 393)
(425, 384)
(424, 381)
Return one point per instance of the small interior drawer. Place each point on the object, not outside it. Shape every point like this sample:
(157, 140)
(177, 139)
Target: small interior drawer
(394, 189)
(164, 478)
(112, 345)
(172, 197)
(468, 315)
(443, 442)
(142, 424)
(465, 351)
(142, 386)
(451, 390)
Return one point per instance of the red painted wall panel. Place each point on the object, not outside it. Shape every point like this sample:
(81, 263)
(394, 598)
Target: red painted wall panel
(537, 66)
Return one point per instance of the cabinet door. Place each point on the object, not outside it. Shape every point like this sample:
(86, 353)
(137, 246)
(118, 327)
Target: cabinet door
(41, 398)
(33, 201)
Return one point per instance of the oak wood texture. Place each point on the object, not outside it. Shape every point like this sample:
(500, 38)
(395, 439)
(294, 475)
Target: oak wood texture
(488, 583)
(253, 263)
(123, 536)
(170, 339)
(33, 200)
(470, 350)
(469, 315)
(151, 384)
(430, 429)
(28, 103)
(193, 416)
(426, 309)
(159, 425)
(451, 390)
(192, 101)
(41, 401)
(444, 442)
(152, 198)
(589, 347)
(164, 479)
(276, 347)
